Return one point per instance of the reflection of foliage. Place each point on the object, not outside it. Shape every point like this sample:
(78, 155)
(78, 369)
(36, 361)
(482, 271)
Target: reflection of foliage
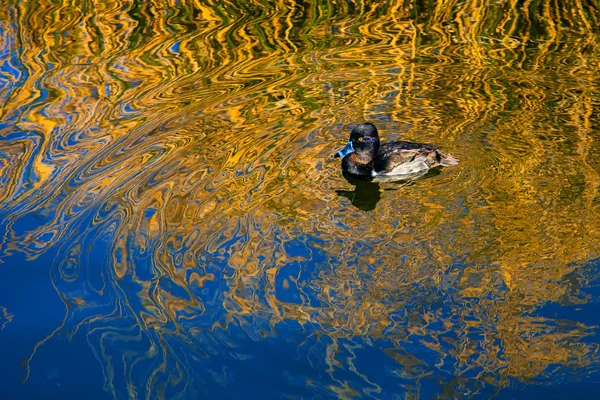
(5, 317)
(191, 142)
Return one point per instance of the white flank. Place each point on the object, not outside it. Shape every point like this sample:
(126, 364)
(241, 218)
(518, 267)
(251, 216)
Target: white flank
(410, 168)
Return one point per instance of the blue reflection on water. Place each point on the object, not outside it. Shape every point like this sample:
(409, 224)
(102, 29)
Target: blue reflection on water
(247, 355)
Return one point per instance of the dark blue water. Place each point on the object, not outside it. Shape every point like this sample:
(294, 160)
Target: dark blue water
(57, 353)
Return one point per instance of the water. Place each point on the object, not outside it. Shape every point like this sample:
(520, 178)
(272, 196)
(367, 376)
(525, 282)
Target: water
(172, 224)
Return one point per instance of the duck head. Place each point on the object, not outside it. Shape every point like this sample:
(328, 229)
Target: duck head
(364, 141)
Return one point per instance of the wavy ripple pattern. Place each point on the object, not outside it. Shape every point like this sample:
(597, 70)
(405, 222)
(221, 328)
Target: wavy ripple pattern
(168, 165)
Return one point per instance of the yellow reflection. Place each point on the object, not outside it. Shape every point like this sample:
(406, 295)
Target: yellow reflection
(198, 136)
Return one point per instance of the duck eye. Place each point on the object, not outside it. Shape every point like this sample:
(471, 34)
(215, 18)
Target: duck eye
(360, 139)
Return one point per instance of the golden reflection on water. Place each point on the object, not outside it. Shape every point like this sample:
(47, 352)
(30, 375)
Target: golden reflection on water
(196, 135)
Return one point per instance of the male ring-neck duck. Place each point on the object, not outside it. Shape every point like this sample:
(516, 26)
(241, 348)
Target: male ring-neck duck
(363, 156)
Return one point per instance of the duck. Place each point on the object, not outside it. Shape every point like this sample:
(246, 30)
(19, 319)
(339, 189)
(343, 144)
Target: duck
(363, 156)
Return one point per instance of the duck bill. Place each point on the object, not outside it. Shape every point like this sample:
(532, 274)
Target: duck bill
(345, 151)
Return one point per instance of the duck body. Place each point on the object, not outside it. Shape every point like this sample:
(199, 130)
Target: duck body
(364, 156)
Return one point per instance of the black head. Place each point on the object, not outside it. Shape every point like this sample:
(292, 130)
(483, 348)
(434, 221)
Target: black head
(365, 139)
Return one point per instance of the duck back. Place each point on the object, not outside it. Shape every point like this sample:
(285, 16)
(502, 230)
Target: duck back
(405, 158)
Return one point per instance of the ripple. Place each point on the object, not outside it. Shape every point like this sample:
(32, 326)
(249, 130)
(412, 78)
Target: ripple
(174, 163)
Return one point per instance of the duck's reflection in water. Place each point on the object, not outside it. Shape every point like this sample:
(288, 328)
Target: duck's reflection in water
(367, 191)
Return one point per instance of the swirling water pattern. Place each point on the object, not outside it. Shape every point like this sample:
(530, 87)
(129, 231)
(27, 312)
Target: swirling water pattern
(172, 224)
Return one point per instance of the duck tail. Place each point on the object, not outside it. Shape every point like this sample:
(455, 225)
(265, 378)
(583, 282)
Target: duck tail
(446, 160)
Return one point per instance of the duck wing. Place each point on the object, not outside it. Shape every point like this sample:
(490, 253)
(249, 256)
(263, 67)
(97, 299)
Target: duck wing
(395, 147)
(407, 155)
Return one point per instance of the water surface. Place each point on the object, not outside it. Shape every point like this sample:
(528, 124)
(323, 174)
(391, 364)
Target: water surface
(172, 224)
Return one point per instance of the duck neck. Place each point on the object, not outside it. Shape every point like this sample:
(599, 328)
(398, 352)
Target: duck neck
(367, 151)
(357, 164)
(363, 157)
